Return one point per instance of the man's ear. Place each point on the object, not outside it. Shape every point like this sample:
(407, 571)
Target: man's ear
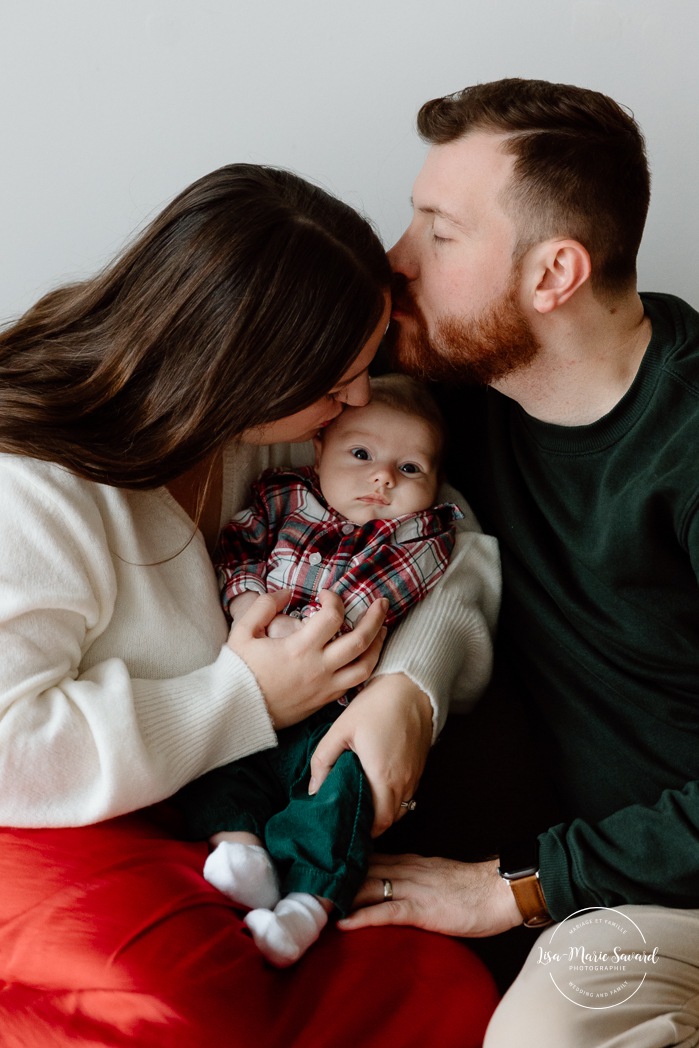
(557, 268)
(318, 448)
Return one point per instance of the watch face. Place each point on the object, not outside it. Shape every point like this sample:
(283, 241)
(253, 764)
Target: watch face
(519, 860)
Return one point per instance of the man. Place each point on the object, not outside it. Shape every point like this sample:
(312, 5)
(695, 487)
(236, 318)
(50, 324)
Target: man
(574, 409)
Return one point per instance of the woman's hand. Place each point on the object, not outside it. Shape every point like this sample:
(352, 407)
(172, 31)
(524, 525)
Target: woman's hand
(389, 726)
(439, 895)
(302, 672)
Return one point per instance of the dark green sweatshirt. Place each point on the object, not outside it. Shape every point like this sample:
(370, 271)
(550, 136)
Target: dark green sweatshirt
(599, 534)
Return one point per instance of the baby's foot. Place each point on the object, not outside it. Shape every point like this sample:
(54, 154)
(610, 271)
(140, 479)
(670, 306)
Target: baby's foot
(285, 934)
(243, 872)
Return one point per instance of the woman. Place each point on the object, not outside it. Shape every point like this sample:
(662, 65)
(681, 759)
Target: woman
(135, 409)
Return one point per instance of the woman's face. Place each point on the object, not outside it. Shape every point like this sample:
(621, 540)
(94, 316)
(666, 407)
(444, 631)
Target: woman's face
(352, 389)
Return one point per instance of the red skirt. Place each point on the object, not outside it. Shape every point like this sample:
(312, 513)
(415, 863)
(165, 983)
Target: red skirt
(109, 936)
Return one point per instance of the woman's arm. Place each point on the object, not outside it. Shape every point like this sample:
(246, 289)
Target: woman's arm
(117, 684)
(445, 643)
(108, 701)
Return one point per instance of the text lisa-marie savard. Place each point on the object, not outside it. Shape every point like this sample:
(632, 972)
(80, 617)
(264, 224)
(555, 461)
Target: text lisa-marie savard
(614, 960)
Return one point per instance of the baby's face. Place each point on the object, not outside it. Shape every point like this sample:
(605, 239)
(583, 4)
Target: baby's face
(376, 462)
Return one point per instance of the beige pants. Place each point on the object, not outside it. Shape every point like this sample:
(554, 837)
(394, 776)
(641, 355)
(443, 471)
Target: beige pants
(658, 1006)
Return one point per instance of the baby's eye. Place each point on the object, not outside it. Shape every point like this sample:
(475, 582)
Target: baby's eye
(360, 453)
(410, 467)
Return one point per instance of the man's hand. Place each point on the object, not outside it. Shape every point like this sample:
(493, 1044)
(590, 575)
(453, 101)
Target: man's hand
(439, 895)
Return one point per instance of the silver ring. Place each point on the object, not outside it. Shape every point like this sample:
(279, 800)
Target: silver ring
(387, 889)
(409, 805)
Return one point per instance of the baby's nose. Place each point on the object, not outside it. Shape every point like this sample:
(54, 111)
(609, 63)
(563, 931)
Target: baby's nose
(385, 476)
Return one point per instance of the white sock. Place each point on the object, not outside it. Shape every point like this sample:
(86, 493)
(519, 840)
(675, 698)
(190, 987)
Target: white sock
(243, 872)
(285, 934)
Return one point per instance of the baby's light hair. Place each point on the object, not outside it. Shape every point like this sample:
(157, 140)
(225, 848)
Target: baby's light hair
(411, 397)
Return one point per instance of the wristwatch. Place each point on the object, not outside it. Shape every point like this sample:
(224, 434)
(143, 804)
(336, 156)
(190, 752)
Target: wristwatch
(519, 866)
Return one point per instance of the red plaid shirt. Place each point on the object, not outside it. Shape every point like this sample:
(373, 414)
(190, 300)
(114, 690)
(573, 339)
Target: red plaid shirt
(289, 538)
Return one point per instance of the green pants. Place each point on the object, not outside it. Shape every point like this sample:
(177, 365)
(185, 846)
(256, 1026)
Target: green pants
(319, 844)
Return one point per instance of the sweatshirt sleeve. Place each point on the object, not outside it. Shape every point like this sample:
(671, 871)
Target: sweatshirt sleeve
(639, 854)
(81, 745)
(642, 853)
(445, 643)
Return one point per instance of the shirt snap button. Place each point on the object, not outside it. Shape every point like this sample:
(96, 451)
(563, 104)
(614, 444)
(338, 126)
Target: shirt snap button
(314, 558)
(347, 529)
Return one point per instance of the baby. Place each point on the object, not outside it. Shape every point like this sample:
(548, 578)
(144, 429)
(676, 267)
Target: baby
(362, 523)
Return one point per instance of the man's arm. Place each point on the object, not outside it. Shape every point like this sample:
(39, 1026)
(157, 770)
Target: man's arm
(639, 854)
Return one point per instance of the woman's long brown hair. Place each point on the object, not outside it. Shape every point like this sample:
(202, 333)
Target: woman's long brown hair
(244, 301)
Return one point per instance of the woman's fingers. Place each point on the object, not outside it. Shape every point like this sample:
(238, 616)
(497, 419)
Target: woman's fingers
(331, 746)
(260, 614)
(355, 672)
(350, 647)
(389, 726)
(323, 625)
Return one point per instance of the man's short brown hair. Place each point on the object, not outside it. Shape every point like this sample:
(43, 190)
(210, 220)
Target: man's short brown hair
(580, 169)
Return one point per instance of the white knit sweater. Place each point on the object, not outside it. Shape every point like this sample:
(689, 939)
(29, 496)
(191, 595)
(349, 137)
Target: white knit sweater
(116, 686)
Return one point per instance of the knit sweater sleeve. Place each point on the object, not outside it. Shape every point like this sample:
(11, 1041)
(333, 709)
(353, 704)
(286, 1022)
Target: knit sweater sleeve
(81, 741)
(445, 643)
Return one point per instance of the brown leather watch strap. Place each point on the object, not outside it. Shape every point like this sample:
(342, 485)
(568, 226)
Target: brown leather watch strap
(530, 901)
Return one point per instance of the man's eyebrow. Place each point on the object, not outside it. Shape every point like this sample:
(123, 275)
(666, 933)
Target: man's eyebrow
(439, 213)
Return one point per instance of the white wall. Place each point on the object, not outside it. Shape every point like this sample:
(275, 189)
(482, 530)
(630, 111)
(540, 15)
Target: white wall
(110, 107)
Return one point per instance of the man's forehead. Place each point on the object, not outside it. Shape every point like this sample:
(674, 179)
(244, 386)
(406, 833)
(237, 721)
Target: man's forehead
(454, 171)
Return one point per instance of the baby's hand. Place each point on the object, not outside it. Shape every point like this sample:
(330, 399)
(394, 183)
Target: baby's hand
(280, 626)
(283, 626)
(240, 604)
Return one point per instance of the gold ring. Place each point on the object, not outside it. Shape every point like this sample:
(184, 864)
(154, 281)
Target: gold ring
(387, 890)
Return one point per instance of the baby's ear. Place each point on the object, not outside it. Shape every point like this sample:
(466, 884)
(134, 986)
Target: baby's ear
(318, 447)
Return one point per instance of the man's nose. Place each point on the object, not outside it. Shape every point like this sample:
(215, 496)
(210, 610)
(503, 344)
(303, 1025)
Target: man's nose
(402, 257)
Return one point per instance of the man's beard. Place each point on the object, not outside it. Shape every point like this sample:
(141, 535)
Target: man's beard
(477, 350)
